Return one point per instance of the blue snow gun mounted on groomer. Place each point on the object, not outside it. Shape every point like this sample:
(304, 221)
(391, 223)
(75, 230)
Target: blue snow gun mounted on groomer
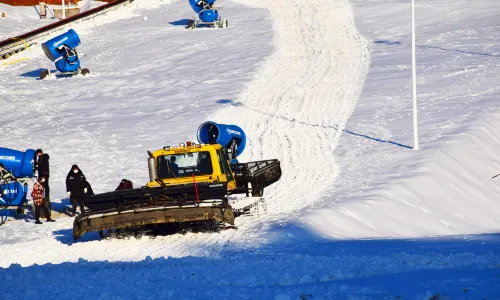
(208, 14)
(16, 170)
(231, 137)
(63, 47)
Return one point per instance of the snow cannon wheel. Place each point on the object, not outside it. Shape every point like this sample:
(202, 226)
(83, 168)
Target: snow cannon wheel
(85, 72)
(190, 24)
(224, 23)
(44, 74)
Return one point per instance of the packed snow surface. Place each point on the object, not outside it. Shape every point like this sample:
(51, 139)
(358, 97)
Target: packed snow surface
(334, 106)
(386, 189)
(454, 268)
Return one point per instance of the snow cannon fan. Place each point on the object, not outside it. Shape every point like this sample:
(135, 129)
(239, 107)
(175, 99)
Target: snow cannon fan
(230, 137)
(12, 194)
(63, 47)
(208, 14)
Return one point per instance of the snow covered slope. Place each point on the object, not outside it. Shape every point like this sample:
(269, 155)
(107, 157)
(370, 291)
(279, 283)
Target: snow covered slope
(296, 108)
(290, 73)
(386, 189)
(149, 89)
(152, 83)
(159, 83)
(19, 20)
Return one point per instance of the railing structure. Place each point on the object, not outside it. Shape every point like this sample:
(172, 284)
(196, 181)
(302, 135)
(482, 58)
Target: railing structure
(22, 42)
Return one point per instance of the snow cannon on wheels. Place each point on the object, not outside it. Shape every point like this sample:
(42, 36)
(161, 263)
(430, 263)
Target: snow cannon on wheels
(16, 170)
(62, 51)
(191, 187)
(208, 14)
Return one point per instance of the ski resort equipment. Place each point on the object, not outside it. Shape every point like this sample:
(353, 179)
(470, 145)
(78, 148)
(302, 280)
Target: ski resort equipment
(16, 169)
(230, 137)
(62, 51)
(52, 47)
(190, 186)
(13, 192)
(18, 163)
(208, 14)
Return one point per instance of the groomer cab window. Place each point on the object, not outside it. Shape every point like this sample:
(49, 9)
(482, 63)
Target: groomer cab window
(224, 167)
(181, 165)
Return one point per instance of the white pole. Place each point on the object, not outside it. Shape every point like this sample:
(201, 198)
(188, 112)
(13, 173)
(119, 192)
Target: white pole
(64, 13)
(414, 77)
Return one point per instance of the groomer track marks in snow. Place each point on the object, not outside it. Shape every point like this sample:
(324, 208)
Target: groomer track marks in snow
(298, 106)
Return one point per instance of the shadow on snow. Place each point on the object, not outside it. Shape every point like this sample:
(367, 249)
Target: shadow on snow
(181, 22)
(459, 267)
(35, 73)
(387, 42)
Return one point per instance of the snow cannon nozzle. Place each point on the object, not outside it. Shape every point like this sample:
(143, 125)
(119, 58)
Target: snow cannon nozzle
(231, 137)
(19, 163)
(53, 48)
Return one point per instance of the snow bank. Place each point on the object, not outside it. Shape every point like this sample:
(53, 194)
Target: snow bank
(444, 189)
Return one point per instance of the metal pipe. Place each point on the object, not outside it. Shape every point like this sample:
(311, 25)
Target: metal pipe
(414, 77)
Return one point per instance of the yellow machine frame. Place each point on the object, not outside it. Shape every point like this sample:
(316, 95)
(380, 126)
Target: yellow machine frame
(217, 159)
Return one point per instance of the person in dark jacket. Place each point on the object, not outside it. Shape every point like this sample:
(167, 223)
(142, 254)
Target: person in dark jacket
(43, 170)
(36, 159)
(76, 188)
(90, 191)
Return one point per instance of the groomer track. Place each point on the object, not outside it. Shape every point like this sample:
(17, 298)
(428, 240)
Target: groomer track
(21, 42)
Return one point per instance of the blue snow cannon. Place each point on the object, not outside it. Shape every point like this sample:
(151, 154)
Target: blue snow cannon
(63, 47)
(207, 14)
(15, 167)
(18, 163)
(205, 10)
(230, 137)
(52, 47)
(13, 194)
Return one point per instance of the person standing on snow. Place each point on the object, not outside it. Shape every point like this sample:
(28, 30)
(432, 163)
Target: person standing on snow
(38, 195)
(76, 188)
(36, 161)
(43, 170)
